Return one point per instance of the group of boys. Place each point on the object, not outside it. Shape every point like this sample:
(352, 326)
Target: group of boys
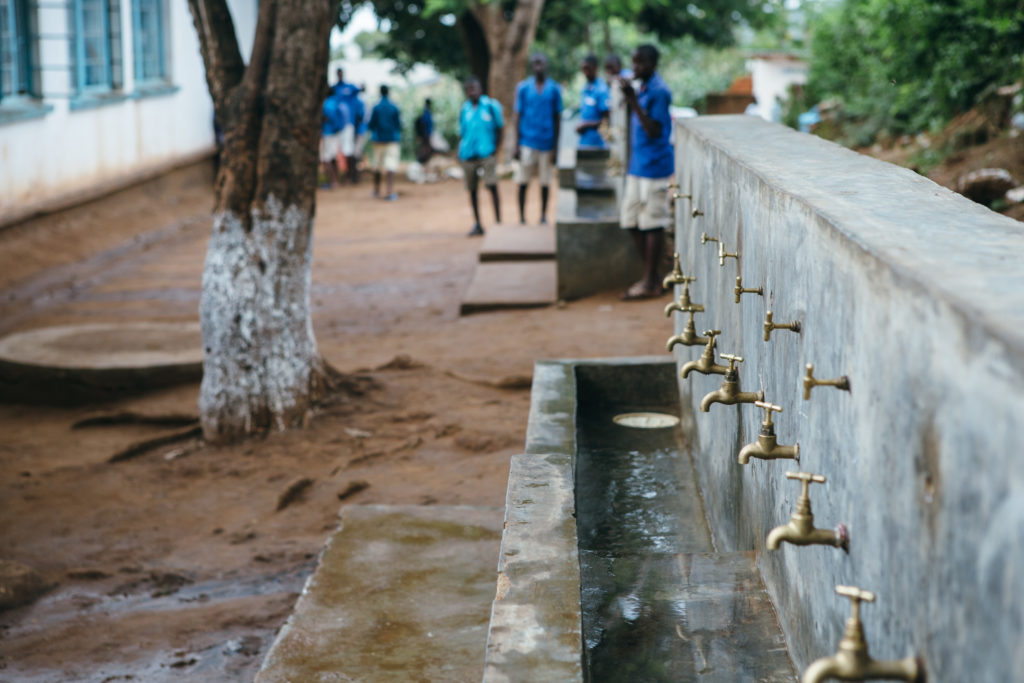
(344, 130)
(644, 211)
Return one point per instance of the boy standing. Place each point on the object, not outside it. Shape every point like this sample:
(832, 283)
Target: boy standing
(645, 205)
(385, 132)
(538, 111)
(481, 129)
(593, 106)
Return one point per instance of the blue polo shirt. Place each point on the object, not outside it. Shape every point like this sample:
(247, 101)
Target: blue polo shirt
(652, 157)
(593, 107)
(537, 111)
(385, 122)
(478, 128)
(335, 116)
(348, 94)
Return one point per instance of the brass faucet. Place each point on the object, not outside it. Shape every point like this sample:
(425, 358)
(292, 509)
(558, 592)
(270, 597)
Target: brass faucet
(766, 447)
(675, 192)
(706, 363)
(810, 382)
(676, 276)
(696, 212)
(769, 326)
(688, 336)
(683, 303)
(730, 394)
(800, 530)
(705, 238)
(723, 254)
(740, 289)
(852, 662)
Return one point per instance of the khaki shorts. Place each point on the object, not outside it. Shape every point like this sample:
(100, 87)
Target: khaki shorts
(474, 168)
(385, 156)
(645, 203)
(330, 147)
(533, 160)
(348, 140)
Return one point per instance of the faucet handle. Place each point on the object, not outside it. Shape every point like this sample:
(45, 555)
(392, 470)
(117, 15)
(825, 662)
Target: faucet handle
(855, 594)
(712, 333)
(696, 212)
(769, 408)
(723, 254)
(675, 277)
(733, 359)
(705, 238)
(806, 479)
(677, 195)
(810, 382)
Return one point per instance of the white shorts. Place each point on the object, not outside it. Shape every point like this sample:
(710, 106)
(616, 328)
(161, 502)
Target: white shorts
(361, 139)
(533, 160)
(645, 203)
(330, 147)
(385, 156)
(348, 140)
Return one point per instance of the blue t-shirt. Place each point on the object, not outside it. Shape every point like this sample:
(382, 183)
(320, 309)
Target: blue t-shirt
(593, 107)
(335, 116)
(478, 128)
(349, 96)
(652, 157)
(385, 122)
(537, 113)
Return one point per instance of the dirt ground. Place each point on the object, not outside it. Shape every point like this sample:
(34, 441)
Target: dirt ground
(178, 565)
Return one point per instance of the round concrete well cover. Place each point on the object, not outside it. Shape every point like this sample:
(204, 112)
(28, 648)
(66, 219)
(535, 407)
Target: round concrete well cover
(106, 346)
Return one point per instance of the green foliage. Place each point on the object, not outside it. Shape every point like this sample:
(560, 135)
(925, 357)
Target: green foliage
(908, 66)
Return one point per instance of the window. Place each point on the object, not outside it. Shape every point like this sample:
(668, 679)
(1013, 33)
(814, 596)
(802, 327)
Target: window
(16, 67)
(148, 23)
(96, 45)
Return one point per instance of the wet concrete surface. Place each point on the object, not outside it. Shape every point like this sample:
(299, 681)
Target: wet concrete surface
(401, 593)
(658, 604)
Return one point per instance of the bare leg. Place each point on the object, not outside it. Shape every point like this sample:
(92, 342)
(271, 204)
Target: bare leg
(476, 208)
(353, 169)
(654, 244)
(522, 204)
(497, 203)
(391, 183)
(544, 204)
(376, 183)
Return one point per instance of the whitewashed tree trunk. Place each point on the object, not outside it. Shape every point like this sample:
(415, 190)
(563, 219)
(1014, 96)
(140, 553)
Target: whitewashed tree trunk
(261, 365)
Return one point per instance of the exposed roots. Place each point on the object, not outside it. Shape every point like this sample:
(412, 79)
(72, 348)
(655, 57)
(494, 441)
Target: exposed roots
(131, 418)
(142, 447)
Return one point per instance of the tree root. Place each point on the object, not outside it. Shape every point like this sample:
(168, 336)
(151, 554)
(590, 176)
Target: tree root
(142, 447)
(131, 418)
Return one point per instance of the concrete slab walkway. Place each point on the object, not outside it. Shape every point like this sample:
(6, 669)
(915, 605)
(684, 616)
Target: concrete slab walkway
(402, 593)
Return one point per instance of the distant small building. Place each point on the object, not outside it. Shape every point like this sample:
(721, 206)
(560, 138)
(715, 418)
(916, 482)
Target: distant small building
(771, 76)
(96, 92)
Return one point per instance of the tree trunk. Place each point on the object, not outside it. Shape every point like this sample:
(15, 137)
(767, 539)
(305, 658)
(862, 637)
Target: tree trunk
(261, 367)
(508, 41)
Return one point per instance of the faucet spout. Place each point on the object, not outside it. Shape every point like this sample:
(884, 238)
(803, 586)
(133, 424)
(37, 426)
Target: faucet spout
(852, 662)
(730, 394)
(706, 363)
(800, 529)
(766, 448)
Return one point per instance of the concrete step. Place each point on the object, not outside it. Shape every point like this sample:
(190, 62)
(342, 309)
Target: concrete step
(518, 243)
(401, 593)
(511, 284)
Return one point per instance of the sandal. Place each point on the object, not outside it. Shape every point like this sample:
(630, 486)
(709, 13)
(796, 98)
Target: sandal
(640, 291)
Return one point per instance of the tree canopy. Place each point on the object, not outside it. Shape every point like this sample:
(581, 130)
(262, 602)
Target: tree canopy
(904, 67)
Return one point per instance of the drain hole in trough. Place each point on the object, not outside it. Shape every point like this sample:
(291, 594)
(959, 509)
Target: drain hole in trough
(646, 420)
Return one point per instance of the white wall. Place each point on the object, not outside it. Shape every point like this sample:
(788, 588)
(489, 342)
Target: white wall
(65, 151)
(771, 78)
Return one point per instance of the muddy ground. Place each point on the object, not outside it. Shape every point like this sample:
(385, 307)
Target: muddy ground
(177, 565)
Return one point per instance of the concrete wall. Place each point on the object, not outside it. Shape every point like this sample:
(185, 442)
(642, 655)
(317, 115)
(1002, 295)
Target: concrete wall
(68, 149)
(917, 295)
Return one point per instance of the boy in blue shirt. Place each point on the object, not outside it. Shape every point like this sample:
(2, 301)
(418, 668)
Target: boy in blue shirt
(348, 96)
(481, 129)
(645, 206)
(334, 122)
(385, 132)
(538, 112)
(593, 106)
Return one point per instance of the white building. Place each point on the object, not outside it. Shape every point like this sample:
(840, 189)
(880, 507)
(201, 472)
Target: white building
(772, 75)
(94, 93)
